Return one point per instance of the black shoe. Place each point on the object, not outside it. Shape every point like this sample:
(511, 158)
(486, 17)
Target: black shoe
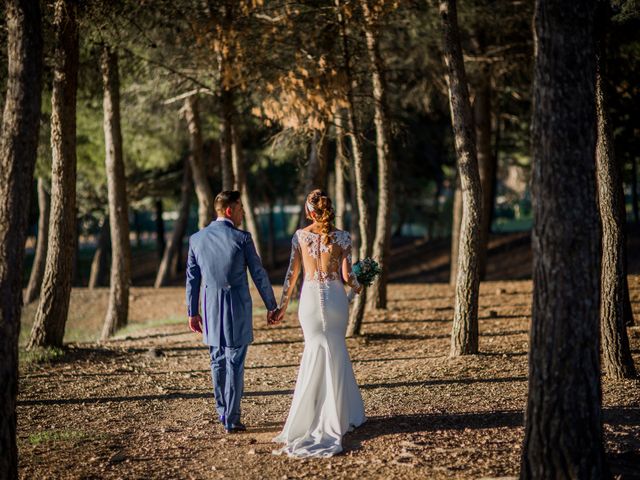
(236, 428)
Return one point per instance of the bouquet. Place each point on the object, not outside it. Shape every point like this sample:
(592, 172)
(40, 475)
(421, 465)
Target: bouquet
(366, 271)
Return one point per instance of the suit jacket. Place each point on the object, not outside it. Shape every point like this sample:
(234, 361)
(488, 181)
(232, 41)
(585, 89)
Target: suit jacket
(219, 255)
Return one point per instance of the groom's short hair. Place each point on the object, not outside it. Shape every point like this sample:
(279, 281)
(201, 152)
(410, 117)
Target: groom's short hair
(226, 199)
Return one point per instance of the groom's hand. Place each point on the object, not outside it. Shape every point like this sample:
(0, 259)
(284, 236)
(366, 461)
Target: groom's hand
(272, 317)
(195, 324)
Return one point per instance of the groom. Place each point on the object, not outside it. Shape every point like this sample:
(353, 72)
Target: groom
(219, 255)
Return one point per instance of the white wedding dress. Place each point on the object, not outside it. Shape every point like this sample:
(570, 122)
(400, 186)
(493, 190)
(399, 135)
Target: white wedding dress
(327, 402)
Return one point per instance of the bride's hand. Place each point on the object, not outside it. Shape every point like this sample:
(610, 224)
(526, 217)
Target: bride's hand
(358, 289)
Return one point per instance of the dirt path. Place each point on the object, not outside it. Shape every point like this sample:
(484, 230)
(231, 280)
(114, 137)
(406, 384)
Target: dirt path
(142, 406)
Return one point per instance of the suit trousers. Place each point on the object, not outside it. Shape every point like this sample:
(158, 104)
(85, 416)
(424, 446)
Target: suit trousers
(227, 374)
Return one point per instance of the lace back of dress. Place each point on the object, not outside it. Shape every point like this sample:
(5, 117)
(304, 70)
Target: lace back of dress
(322, 261)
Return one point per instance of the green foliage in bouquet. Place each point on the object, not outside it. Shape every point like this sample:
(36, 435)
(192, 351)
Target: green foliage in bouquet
(366, 271)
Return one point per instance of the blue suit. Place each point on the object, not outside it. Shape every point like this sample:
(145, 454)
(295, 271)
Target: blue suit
(219, 255)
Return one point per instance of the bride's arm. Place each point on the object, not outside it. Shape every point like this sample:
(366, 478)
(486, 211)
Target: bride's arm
(347, 270)
(290, 279)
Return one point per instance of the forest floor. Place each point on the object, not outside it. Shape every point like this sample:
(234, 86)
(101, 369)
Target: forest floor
(141, 405)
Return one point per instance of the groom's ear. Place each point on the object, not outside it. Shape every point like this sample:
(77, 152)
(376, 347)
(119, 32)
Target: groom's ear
(228, 211)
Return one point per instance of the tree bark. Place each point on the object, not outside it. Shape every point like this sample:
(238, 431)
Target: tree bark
(40, 259)
(341, 164)
(240, 177)
(18, 151)
(464, 334)
(635, 200)
(354, 221)
(118, 307)
(136, 228)
(271, 237)
(627, 309)
(618, 362)
(160, 242)
(357, 310)
(99, 265)
(486, 164)
(382, 239)
(202, 186)
(51, 316)
(175, 242)
(456, 220)
(318, 162)
(563, 421)
(226, 138)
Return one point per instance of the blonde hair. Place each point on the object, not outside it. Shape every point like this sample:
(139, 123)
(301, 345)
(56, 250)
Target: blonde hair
(319, 203)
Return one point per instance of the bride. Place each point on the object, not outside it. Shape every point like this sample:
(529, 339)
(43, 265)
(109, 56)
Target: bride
(326, 402)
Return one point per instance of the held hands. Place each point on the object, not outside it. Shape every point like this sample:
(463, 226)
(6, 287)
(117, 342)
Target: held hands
(274, 317)
(195, 324)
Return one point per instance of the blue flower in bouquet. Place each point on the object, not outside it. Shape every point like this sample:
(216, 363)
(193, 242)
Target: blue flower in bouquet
(366, 271)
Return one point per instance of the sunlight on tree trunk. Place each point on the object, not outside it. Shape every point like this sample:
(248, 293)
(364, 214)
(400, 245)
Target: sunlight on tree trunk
(357, 310)
(341, 165)
(240, 176)
(618, 362)
(118, 307)
(51, 316)
(203, 189)
(464, 335)
(382, 239)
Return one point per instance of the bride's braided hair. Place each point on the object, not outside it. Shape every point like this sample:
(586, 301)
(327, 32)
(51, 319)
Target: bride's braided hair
(325, 214)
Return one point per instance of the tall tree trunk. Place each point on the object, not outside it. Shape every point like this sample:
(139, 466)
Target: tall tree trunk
(618, 362)
(486, 164)
(40, 259)
(200, 181)
(635, 198)
(382, 239)
(240, 176)
(464, 334)
(18, 150)
(226, 138)
(563, 422)
(136, 227)
(315, 174)
(99, 265)
(271, 237)
(76, 277)
(118, 308)
(626, 304)
(456, 221)
(357, 310)
(51, 316)
(354, 221)
(160, 242)
(318, 162)
(180, 227)
(341, 164)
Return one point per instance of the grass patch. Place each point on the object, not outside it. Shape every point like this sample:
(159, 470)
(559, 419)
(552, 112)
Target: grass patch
(40, 355)
(160, 322)
(52, 436)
